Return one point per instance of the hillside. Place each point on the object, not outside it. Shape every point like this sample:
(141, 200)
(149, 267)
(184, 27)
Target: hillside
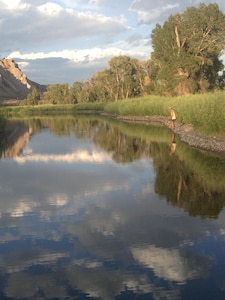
(14, 84)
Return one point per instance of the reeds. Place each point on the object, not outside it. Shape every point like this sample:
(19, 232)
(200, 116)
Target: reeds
(206, 112)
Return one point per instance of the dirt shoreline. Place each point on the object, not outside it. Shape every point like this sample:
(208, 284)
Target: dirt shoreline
(185, 132)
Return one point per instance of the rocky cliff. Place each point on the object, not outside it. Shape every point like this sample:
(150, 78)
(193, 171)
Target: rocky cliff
(14, 84)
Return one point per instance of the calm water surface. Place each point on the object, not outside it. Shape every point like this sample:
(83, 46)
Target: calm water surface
(96, 209)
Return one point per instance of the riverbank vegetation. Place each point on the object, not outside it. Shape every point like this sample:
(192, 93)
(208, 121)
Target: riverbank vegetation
(205, 112)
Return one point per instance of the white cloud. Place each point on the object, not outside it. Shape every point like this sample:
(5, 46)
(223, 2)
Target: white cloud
(98, 2)
(54, 24)
(74, 64)
(84, 32)
(13, 5)
(147, 11)
(78, 55)
(50, 8)
(147, 17)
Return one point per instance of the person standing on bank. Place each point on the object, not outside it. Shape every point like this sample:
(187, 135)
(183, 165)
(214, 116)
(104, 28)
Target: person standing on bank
(173, 117)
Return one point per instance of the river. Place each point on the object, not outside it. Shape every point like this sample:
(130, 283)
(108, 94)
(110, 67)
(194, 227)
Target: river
(93, 208)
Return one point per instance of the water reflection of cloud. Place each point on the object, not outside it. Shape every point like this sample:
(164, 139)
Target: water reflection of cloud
(172, 264)
(23, 207)
(107, 284)
(22, 261)
(131, 225)
(58, 200)
(78, 156)
(46, 188)
(45, 286)
(87, 263)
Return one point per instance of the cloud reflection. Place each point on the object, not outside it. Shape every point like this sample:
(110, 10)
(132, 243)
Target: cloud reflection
(77, 156)
(171, 264)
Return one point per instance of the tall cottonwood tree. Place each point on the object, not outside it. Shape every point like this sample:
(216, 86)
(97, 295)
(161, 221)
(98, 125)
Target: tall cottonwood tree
(187, 50)
(103, 85)
(57, 94)
(123, 72)
(124, 78)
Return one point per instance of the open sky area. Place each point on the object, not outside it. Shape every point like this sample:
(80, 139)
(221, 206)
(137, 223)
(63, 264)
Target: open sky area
(63, 41)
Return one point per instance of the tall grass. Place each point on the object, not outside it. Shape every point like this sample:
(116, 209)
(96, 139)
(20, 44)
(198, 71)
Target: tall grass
(143, 106)
(205, 112)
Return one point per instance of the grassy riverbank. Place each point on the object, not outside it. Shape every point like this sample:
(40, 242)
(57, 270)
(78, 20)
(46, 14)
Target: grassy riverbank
(205, 112)
(49, 109)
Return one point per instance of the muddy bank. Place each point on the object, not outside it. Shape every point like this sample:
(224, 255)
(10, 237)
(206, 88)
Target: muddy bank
(185, 132)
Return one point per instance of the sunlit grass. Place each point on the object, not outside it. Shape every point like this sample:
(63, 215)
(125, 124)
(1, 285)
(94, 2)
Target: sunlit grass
(50, 108)
(205, 112)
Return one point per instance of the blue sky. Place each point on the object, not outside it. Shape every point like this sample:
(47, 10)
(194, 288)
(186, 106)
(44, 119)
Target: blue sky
(60, 41)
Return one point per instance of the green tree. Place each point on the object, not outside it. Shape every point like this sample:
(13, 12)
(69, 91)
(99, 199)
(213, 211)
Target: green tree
(77, 91)
(187, 49)
(125, 77)
(83, 91)
(124, 72)
(57, 94)
(103, 84)
(33, 98)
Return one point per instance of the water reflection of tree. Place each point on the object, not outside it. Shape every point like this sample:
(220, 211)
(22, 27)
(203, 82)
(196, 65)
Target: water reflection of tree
(178, 177)
(123, 147)
(2, 135)
(182, 187)
(179, 184)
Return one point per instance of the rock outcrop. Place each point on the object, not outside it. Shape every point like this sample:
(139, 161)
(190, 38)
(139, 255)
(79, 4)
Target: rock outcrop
(14, 84)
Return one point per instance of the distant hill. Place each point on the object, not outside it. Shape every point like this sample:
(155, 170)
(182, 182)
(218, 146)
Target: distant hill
(14, 84)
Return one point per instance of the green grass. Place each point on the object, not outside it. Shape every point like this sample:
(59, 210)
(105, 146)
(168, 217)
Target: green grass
(205, 112)
(49, 109)
(143, 106)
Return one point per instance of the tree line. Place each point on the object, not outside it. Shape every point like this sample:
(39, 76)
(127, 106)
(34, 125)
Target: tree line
(186, 59)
